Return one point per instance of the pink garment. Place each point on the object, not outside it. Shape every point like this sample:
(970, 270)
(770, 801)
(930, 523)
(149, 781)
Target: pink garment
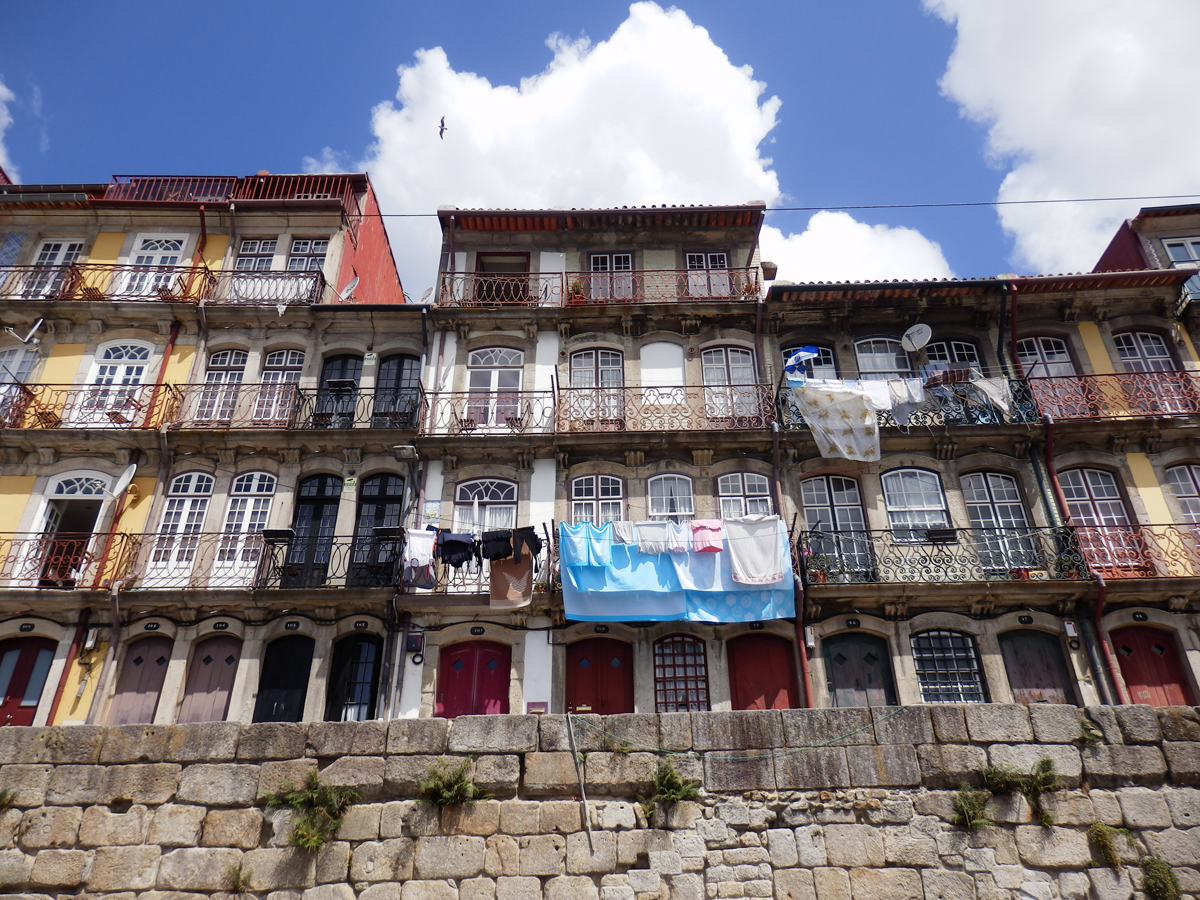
(707, 536)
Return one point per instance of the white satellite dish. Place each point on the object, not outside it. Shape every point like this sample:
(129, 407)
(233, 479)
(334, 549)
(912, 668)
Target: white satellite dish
(123, 482)
(348, 291)
(916, 337)
(425, 296)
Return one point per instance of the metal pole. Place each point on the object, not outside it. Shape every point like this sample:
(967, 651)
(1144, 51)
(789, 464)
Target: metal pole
(587, 819)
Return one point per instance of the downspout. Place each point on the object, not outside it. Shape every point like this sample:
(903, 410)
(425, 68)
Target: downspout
(798, 589)
(110, 657)
(383, 709)
(425, 469)
(1012, 340)
(401, 666)
(71, 656)
(1110, 661)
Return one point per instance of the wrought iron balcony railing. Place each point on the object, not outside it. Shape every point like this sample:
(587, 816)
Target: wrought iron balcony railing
(489, 413)
(941, 555)
(1141, 551)
(121, 406)
(1124, 396)
(489, 289)
(276, 405)
(103, 281)
(63, 561)
(266, 288)
(664, 286)
(737, 407)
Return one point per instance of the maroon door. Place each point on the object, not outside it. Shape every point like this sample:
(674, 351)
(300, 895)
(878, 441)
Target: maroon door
(600, 677)
(140, 681)
(761, 674)
(473, 679)
(1150, 666)
(210, 679)
(24, 664)
(1037, 670)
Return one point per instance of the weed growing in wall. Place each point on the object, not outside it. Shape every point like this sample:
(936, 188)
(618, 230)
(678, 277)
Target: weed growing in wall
(444, 785)
(970, 807)
(1159, 881)
(669, 788)
(1104, 839)
(1043, 779)
(321, 809)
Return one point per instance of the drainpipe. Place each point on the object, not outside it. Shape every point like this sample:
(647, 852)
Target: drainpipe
(71, 656)
(110, 657)
(383, 709)
(798, 590)
(1110, 661)
(1012, 340)
(405, 629)
(1091, 642)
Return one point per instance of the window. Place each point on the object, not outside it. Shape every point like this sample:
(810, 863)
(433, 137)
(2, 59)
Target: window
(281, 371)
(397, 393)
(882, 358)
(671, 498)
(1043, 357)
(833, 515)
(1185, 481)
(915, 503)
(178, 535)
(16, 368)
(494, 383)
(662, 369)
(596, 499)
(997, 515)
(1185, 250)
(744, 494)
(255, 254)
(708, 275)
(485, 505)
(680, 674)
(1093, 497)
(1112, 546)
(729, 383)
(160, 256)
(225, 371)
(592, 369)
(249, 506)
(54, 256)
(307, 255)
(1144, 352)
(114, 397)
(947, 667)
(612, 276)
(953, 353)
(381, 501)
(336, 403)
(10, 247)
(823, 366)
(318, 498)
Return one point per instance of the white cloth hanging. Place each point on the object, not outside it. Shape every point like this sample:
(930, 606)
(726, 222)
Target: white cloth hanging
(841, 418)
(755, 551)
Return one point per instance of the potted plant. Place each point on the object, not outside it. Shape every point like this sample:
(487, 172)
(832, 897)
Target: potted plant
(819, 566)
(575, 293)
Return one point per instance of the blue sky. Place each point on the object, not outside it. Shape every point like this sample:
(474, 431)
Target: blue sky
(225, 87)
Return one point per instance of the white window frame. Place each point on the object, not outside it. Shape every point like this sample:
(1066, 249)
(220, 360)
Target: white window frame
(138, 281)
(823, 366)
(670, 505)
(1034, 355)
(115, 399)
(597, 499)
(611, 276)
(736, 498)
(1185, 483)
(882, 374)
(477, 514)
(1137, 352)
(178, 538)
(908, 518)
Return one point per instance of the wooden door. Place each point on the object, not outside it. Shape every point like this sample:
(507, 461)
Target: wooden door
(600, 677)
(1151, 666)
(210, 680)
(1037, 670)
(140, 681)
(858, 670)
(473, 679)
(24, 665)
(283, 685)
(761, 673)
(354, 679)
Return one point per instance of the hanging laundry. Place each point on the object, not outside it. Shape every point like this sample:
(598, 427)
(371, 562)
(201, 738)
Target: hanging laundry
(907, 395)
(714, 596)
(879, 394)
(706, 535)
(418, 559)
(841, 418)
(585, 544)
(511, 583)
(996, 390)
(624, 533)
(496, 544)
(653, 537)
(754, 551)
(456, 549)
(680, 540)
(526, 536)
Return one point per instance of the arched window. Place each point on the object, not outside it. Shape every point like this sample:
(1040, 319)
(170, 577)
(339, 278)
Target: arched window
(114, 397)
(1142, 351)
(836, 538)
(823, 365)
(680, 674)
(882, 358)
(494, 384)
(71, 512)
(1185, 481)
(915, 503)
(246, 516)
(485, 505)
(1043, 357)
(281, 371)
(353, 679)
(671, 498)
(597, 499)
(1093, 497)
(948, 669)
(1112, 546)
(397, 392)
(596, 378)
(310, 552)
(998, 522)
(744, 494)
(953, 353)
(178, 534)
(377, 543)
(225, 371)
(336, 404)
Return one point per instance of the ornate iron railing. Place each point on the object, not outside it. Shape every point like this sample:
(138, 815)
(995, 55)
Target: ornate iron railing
(952, 404)
(736, 407)
(276, 405)
(484, 412)
(941, 555)
(104, 281)
(1141, 551)
(124, 406)
(488, 289)
(474, 577)
(330, 562)
(1124, 396)
(194, 560)
(663, 286)
(62, 561)
(268, 288)
(34, 282)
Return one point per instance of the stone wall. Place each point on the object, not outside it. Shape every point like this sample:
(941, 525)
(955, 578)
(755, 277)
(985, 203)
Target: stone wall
(154, 812)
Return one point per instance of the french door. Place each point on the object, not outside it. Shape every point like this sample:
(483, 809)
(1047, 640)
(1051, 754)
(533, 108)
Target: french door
(730, 390)
(53, 259)
(311, 551)
(597, 378)
(115, 397)
(708, 275)
(218, 397)
(156, 266)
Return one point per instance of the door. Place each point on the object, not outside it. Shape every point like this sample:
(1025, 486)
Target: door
(397, 393)
(241, 539)
(1154, 384)
(708, 275)
(494, 383)
(503, 279)
(473, 679)
(375, 560)
(62, 557)
(337, 395)
(53, 260)
(16, 367)
(311, 551)
(179, 536)
(600, 677)
(218, 397)
(729, 385)
(24, 665)
(762, 674)
(1037, 669)
(612, 276)
(354, 679)
(210, 680)
(1110, 544)
(596, 396)
(277, 395)
(858, 670)
(283, 684)
(115, 397)
(1151, 666)
(140, 681)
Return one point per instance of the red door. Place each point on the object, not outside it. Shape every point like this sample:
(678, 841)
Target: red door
(1151, 667)
(600, 677)
(140, 681)
(210, 679)
(473, 679)
(761, 674)
(24, 664)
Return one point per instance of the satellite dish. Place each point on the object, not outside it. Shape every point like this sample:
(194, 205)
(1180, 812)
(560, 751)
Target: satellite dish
(916, 337)
(425, 296)
(348, 291)
(123, 482)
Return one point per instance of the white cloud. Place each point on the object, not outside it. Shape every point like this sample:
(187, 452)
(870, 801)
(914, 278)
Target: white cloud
(1082, 98)
(655, 114)
(6, 97)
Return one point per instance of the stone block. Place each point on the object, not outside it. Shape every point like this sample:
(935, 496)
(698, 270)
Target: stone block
(1118, 766)
(631, 845)
(1179, 723)
(518, 887)
(134, 744)
(942, 885)
(1138, 724)
(56, 869)
(639, 730)
(1176, 847)
(824, 768)
(10, 821)
(362, 773)
(989, 723)
(1110, 885)
(902, 725)
(1073, 809)
(333, 862)
(833, 884)
(389, 860)
(1184, 804)
(63, 745)
(949, 723)
(682, 815)
(101, 827)
(494, 734)
(430, 890)
(1055, 848)
(818, 727)
(810, 845)
(220, 784)
(854, 845)
(50, 826)
(274, 777)
(905, 846)
(1183, 758)
(15, 867)
(1055, 723)
(794, 884)
(277, 868)
(553, 736)
(571, 887)
(481, 818)
(418, 736)
(675, 731)
(338, 739)
(455, 856)
(1104, 718)
(643, 881)
(1023, 757)
(152, 784)
(329, 892)
(688, 886)
(208, 742)
(947, 766)
(272, 740)
(1143, 808)
(361, 822)
(123, 869)
(176, 826)
(890, 812)
(477, 889)
(542, 854)
(519, 816)
(781, 843)
(619, 774)
(21, 745)
(550, 774)
(596, 855)
(883, 765)
(232, 828)
(75, 785)
(401, 774)
(747, 772)
(498, 775)
(25, 783)
(502, 856)
(196, 869)
(559, 816)
(885, 884)
(738, 730)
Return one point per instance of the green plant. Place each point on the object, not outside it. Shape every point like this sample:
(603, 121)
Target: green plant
(669, 787)
(970, 807)
(1002, 780)
(1104, 839)
(445, 785)
(235, 879)
(1089, 734)
(1159, 880)
(322, 808)
(7, 799)
(1041, 780)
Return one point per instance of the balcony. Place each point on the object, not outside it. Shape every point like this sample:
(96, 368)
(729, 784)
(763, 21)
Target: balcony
(665, 286)
(101, 281)
(479, 413)
(1141, 551)
(62, 561)
(170, 188)
(276, 405)
(1125, 396)
(266, 288)
(741, 407)
(478, 289)
(93, 406)
(942, 556)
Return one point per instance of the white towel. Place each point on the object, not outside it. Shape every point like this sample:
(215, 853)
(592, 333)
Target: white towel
(755, 550)
(624, 533)
(879, 395)
(680, 537)
(653, 537)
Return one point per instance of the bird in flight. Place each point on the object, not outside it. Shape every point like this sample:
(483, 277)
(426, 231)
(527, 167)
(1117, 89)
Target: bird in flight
(442, 129)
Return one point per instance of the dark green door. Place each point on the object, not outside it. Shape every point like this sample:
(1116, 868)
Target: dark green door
(858, 670)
